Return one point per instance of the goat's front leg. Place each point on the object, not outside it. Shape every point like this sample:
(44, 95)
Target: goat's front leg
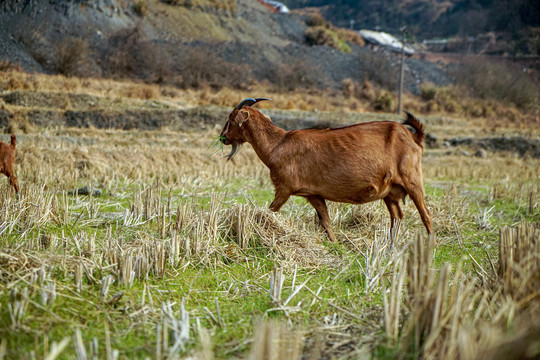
(320, 205)
(14, 184)
(12, 179)
(281, 197)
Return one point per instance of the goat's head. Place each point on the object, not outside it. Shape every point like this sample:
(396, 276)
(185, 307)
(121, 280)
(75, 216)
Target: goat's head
(234, 133)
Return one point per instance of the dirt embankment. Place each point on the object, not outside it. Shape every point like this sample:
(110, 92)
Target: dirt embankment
(48, 109)
(518, 144)
(82, 110)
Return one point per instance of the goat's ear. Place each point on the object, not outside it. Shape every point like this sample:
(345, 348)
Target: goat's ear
(242, 117)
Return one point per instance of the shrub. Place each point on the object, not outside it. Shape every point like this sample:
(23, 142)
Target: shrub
(432, 106)
(350, 36)
(384, 102)
(200, 67)
(315, 19)
(6, 65)
(298, 75)
(446, 98)
(323, 36)
(318, 36)
(368, 91)
(451, 106)
(75, 58)
(349, 87)
(383, 74)
(428, 92)
(503, 82)
(36, 44)
(140, 7)
(321, 33)
(71, 56)
(475, 110)
(132, 54)
(140, 91)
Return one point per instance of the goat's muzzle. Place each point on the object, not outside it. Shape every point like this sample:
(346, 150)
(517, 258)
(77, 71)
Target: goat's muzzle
(224, 140)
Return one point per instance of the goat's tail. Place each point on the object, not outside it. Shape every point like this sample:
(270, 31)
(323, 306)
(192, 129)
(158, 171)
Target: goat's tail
(13, 141)
(418, 134)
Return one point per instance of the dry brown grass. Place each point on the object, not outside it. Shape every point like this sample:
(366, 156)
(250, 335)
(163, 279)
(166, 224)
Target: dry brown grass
(273, 341)
(444, 309)
(142, 166)
(15, 80)
(169, 206)
(483, 114)
(519, 263)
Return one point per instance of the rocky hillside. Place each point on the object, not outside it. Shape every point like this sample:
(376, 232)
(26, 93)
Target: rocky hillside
(186, 44)
(497, 26)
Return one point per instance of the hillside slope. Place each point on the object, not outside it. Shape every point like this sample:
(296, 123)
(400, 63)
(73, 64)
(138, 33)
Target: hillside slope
(28, 23)
(220, 43)
(510, 25)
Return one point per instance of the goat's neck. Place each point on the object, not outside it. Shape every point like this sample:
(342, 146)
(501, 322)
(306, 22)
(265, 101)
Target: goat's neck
(263, 137)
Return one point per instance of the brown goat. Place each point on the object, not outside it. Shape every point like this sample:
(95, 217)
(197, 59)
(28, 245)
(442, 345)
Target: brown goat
(353, 164)
(7, 160)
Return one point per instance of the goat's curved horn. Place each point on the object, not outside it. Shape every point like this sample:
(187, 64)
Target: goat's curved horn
(250, 101)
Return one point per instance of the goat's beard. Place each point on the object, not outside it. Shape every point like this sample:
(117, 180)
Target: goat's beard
(235, 149)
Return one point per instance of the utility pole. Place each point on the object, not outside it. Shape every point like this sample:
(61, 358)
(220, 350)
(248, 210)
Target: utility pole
(403, 33)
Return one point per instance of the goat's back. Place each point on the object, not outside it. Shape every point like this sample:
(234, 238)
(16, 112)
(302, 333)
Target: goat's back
(368, 140)
(343, 161)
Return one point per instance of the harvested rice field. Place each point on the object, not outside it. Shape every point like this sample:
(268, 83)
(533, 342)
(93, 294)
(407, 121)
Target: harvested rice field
(136, 244)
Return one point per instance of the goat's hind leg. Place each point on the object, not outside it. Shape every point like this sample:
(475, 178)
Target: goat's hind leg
(396, 215)
(322, 211)
(416, 192)
(418, 199)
